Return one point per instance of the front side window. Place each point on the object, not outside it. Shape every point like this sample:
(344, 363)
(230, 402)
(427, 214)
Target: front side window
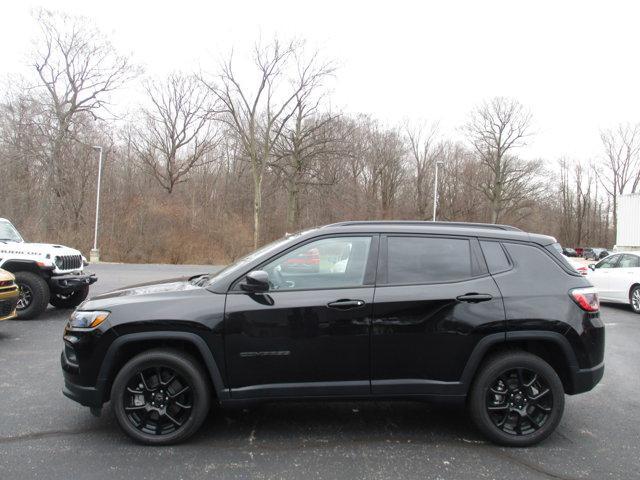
(428, 260)
(338, 262)
(609, 262)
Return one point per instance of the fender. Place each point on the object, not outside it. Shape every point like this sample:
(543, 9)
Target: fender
(214, 372)
(16, 265)
(489, 341)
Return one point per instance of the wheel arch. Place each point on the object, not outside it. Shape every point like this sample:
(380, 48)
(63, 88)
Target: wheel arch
(552, 347)
(127, 346)
(17, 265)
(633, 285)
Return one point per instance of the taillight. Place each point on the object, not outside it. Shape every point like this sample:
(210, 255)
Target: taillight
(586, 298)
(583, 270)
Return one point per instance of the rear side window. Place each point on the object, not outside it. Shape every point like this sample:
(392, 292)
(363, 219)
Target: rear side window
(629, 261)
(497, 260)
(427, 260)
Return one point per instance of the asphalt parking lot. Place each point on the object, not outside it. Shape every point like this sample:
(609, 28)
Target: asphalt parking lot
(45, 435)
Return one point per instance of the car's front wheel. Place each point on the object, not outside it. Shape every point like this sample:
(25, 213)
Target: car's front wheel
(160, 397)
(33, 295)
(517, 399)
(634, 298)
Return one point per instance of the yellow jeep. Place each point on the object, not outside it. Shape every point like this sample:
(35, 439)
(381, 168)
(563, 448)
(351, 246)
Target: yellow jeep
(8, 295)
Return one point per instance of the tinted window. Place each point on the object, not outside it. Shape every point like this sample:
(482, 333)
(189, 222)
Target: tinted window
(328, 263)
(497, 260)
(629, 261)
(428, 260)
(608, 262)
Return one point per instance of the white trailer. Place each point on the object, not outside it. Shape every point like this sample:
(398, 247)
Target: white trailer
(628, 232)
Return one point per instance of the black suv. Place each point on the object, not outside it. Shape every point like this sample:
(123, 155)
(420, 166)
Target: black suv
(449, 312)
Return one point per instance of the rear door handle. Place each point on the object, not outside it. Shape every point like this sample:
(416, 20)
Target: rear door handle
(474, 297)
(345, 304)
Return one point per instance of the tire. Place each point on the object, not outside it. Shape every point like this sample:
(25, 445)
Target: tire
(525, 423)
(634, 299)
(142, 423)
(70, 300)
(34, 295)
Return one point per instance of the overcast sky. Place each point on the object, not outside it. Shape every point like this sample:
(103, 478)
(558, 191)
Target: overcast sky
(574, 64)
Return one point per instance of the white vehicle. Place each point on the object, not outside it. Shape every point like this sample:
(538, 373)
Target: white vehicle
(617, 278)
(44, 273)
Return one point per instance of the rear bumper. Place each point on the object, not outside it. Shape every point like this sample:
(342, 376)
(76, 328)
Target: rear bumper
(71, 282)
(585, 379)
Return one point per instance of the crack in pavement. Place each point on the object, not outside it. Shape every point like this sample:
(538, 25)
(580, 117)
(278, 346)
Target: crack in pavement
(48, 433)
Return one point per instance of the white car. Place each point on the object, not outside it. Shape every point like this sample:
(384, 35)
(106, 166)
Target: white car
(617, 279)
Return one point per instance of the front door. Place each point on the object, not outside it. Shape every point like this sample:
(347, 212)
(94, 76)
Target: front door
(309, 335)
(600, 277)
(434, 301)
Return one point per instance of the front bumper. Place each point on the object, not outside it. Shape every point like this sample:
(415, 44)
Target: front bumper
(71, 282)
(8, 301)
(85, 395)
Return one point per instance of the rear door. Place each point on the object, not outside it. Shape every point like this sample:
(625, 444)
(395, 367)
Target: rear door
(434, 301)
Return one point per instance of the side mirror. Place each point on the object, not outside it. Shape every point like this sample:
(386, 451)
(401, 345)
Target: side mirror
(256, 282)
(592, 266)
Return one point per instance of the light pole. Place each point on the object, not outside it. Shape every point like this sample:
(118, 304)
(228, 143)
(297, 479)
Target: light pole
(439, 163)
(94, 256)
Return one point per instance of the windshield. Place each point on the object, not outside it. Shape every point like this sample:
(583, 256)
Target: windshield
(8, 232)
(238, 266)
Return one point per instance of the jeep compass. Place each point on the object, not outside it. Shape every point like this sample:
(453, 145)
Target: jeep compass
(486, 316)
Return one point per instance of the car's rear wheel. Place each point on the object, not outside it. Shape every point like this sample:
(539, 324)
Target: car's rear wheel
(517, 399)
(71, 299)
(160, 397)
(634, 299)
(33, 295)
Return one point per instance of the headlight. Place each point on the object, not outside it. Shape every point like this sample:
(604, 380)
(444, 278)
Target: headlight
(80, 319)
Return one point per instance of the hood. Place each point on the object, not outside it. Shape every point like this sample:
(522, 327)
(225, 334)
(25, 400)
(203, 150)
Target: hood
(150, 288)
(37, 249)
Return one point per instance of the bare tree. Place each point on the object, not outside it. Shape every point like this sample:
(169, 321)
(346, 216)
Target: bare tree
(259, 115)
(622, 154)
(496, 128)
(178, 134)
(424, 150)
(77, 69)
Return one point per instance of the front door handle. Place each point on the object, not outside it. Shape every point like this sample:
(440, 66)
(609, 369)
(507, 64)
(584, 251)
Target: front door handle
(345, 304)
(474, 297)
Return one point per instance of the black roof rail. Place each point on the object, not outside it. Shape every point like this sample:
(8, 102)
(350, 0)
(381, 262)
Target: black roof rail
(427, 223)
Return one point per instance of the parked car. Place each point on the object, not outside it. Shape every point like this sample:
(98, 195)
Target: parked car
(8, 295)
(579, 251)
(485, 315)
(569, 252)
(580, 267)
(617, 279)
(45, 274)
(594, 253)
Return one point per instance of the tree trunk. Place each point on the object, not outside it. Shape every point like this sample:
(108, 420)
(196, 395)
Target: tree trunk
(257, 207)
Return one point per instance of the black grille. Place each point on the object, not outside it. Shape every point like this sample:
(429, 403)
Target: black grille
(69, 262)
(7, 306)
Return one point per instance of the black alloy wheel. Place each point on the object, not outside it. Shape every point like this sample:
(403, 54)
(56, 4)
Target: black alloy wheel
(517, 399)
(161, 396)
(519, 402)
(158, 400)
